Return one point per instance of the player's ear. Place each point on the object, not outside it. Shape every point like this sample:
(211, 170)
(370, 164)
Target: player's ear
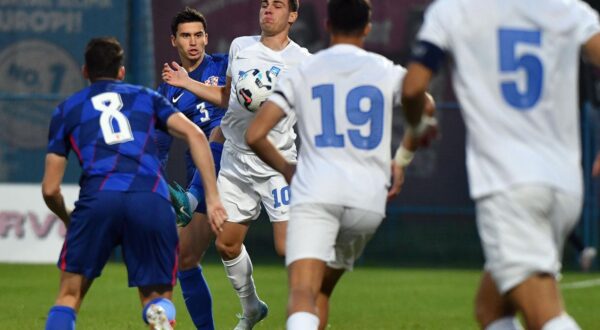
(206, 37)
(367, 30)
(173, 41)
(292, 17)
(121, 73)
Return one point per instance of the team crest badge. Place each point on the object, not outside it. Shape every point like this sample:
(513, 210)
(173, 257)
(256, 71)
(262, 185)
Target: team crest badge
(275, 70)
(212, 81)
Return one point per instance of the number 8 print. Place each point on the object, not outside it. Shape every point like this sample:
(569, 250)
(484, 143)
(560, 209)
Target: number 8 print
(110, 105)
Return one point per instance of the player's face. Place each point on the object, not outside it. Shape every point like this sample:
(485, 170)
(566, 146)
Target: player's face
(190, 41)
(275, 16)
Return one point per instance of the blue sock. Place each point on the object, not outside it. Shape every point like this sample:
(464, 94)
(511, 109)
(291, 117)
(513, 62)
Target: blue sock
(197, 297)
(61, 318)
(165, 303)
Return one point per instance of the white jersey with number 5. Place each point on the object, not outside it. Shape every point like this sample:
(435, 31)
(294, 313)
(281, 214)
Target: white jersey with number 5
(515, 75)
(247, 53)
(342, 98)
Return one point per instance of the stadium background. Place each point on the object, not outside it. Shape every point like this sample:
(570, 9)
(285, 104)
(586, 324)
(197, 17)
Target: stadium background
(41, 45)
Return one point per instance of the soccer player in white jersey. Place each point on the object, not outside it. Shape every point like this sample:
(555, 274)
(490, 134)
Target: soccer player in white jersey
(244, 180)
(343, 98)
(515, 74)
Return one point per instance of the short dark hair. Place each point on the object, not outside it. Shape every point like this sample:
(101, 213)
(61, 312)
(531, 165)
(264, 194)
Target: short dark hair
(348, 17)
(103, 58)
(294, 5)
(188, 15)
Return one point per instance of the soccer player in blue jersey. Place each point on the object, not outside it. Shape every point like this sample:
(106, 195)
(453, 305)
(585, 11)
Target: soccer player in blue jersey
(189, 37)
(123, 199)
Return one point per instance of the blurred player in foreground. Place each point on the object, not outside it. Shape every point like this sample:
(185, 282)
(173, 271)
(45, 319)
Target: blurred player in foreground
(343, 98)
(189, 37)
(123, 197)
(244, 180)
(515, 74)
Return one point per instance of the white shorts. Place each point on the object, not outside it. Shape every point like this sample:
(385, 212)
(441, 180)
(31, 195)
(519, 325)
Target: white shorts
(245, 181)
(523, 231)
(332, 233)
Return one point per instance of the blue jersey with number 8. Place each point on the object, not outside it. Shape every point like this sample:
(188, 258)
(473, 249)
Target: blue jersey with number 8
(111, 126)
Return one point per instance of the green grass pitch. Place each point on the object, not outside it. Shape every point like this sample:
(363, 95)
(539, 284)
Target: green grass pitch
(367, 298)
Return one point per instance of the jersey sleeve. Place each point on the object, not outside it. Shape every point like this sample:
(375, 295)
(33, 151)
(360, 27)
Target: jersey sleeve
(58, 142)
(163, 110)
(284, 94)
(233, 50)
(162, 89)
(588, 22)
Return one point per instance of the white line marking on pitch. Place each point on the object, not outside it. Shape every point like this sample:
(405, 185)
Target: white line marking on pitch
(581, 284)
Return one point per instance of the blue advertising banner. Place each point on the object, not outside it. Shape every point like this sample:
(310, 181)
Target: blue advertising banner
(41, 54)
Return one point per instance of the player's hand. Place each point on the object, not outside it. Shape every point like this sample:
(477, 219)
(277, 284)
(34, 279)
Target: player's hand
(174, 75)
(289, 171)
(426, 132)
(397, 181)
(216, 215)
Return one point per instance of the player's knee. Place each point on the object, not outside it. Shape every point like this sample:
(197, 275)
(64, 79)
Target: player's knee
(228, 250)
(188, 261)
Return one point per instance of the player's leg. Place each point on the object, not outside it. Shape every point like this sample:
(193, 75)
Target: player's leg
(304, 281)
(306, 260)
(330, 279)
(279, 236)
(72, 290)
(493, 311)
(149, 244)
(91, 236)
(186, 201)
(194, 240)
(157, 306)
(242, 205)
(275, 196)
(522, 232)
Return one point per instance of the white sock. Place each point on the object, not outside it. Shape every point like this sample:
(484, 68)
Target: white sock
(239, 272)
(193, 201)
(505, 323)
(561, 322)
(302, 321)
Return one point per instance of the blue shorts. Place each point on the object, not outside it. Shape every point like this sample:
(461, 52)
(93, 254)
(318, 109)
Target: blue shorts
(143, 223)
(195, 187)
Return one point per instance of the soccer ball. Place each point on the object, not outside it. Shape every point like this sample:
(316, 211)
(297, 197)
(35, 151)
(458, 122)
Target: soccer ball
(254, 87)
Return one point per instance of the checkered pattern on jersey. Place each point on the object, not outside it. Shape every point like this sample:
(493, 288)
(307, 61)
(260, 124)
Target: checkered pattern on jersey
(115, 143)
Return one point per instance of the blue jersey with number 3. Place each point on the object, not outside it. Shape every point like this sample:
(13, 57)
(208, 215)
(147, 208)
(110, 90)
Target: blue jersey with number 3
(111, 127)
(212, 71)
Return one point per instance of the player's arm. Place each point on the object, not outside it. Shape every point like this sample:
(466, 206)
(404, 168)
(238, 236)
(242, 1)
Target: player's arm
(181, 127)
(267, 117)
(176, 76)
(410, 143)
(53, 175)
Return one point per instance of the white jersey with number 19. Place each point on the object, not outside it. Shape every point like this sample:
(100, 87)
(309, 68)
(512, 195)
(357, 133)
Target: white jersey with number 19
(343, 98)
(524, 130)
